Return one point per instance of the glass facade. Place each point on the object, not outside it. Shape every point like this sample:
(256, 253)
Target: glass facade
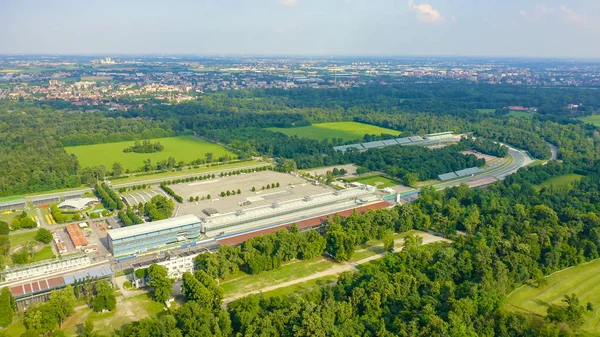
(142, 243)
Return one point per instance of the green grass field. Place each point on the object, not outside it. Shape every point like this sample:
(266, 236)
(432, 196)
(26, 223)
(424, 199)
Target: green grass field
(593, 119)
(521, 114)
(378, 181)
(485, 111)
(184, 148)
(303, 287)
(345, 130)
(583, 280)
(561, 181)
(17, 239)
(43, 254)
(296, 269)
(15, 330)
(8, 217)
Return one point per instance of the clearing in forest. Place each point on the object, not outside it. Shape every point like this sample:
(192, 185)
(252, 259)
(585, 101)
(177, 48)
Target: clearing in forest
(345, 130)
(378, 181)
(583, 280)
(593, 119)
(183, 148)
(561, 181)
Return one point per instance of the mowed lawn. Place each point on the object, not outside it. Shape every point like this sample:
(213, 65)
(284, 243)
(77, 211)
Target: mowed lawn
(183, 148)
(561, 181)
(43, 254)
(583, 280)
(378, 181)
(19, 238)
(345, 130)
(245, 283)
(593, 119)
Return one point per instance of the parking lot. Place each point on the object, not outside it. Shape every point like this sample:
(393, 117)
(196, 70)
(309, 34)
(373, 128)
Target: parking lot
(291, 187)
(134, 198)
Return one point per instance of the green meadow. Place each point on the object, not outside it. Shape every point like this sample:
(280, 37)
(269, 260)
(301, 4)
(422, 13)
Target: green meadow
(593, 119)
(183, 148)
(583, 280)
(561, 181)
(345, 130)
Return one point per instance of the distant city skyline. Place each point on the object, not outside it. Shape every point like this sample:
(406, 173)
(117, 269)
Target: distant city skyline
(471, 28)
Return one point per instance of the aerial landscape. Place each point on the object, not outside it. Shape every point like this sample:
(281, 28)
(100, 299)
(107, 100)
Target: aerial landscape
(299, 168)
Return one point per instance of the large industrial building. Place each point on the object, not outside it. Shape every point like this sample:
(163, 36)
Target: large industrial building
(158, 235)
(45, 267)
(415, 140)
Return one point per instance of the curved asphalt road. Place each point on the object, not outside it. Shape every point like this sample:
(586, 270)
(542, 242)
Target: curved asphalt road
(512, 164)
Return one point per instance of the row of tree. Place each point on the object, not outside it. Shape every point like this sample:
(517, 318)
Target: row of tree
(109, 198)
(129, 218)
(262, 253)
(171, 192)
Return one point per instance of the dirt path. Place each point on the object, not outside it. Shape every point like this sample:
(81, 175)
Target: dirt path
(334, 270)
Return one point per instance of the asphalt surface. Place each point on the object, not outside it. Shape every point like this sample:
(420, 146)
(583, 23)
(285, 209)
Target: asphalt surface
(517, 159)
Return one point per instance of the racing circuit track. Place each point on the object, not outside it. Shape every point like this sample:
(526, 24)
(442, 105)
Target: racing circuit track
(516, 160)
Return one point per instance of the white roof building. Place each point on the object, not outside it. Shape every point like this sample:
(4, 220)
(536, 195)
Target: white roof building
(77, 204)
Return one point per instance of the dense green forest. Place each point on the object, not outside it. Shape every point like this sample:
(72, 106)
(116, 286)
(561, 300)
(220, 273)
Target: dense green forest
(34, 133)
(515, 233)
(511, 233)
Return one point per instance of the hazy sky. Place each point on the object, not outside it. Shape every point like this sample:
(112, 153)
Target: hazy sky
(545, 28)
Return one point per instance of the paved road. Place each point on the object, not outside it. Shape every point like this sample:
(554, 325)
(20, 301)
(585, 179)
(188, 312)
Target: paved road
(40, 216)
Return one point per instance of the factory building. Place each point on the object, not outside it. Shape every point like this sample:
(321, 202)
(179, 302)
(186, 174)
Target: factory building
(157, 235)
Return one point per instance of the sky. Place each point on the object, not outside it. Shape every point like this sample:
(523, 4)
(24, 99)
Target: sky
(527, 28)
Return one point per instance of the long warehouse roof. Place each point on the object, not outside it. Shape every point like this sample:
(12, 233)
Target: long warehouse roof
(149, 227)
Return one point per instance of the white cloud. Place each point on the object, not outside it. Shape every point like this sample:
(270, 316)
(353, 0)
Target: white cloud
(425, 13)
(289, 3)
(564, 13)
(571, 16)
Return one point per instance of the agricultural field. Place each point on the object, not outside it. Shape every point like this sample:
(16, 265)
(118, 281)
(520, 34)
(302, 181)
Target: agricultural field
(183, 148)
(593, 119)
(561, 181)
(378, 181)
(583, 280)
(345, 130)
